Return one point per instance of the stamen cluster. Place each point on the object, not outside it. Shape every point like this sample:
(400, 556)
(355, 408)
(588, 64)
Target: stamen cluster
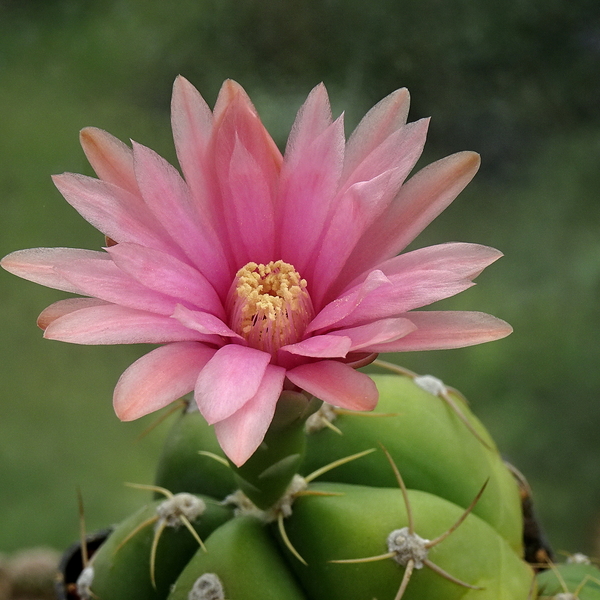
(269, 305)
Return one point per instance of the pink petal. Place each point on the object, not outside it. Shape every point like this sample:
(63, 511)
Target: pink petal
(447, 329)
(242, 143)
(163, 273)
(377, 125)
(356, 209)
(410, 290)
(113, 324)
(321, 346)
(398, 153)
(64, 307)
(110, 158)
(242, 433)
(191, 121)
(169, 199)
(101, 278)
(379, 332)
(231, 91)
(313, 118)
(251, 208)
(159, 378)
(341, 307)
(462, 259)
(117, 213)
(229, 380)
(40, 265)
(336, 383)
(422, 198)
(203, 322)
(309, 180)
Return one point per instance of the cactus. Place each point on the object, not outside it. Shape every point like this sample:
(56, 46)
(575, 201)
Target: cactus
(410, 501)
(285, 497)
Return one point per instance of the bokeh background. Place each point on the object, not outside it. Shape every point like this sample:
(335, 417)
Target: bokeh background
(516, 80)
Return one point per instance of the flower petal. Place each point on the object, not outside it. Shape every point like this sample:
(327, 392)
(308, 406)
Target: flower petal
(203, 322)
(113, 324)
(337, 384)
(363, 197)
(410, 290)
(321, 346)
(309, 180)
(379, 332)
(164, 273)
(40, 265)
(110, 158)
(117, 213)
(229, 380)
(462, 259)
(441, 330)
(422, 198)
(313, 118)
(64, 307)
(242, 433)
(241, 143)
(251, 208)
(169, 199)
(191, 121)
(99, 277)
(158, 378)
(376, 126)
(343, 306)
(397, 153)
(354, 212)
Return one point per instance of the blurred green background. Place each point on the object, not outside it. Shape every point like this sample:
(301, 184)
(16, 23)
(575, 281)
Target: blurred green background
(516, 80)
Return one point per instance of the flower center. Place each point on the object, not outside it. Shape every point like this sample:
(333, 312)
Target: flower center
(269, 305)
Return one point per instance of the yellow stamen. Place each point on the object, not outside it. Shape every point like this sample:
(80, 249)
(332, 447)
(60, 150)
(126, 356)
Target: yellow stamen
(269, 305)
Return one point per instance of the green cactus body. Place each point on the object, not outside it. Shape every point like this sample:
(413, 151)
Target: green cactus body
(431, 446)
(121, 568)
(356, 525)
(181, 467)
(574, 581)
(345, 511)
(246, 560)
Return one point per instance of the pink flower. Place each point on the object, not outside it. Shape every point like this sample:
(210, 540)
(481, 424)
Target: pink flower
(259, 272)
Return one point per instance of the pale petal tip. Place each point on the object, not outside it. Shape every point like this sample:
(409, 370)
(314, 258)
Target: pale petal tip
(91, 138)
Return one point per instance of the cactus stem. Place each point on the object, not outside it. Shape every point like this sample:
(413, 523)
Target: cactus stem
(449, 577)
(447, 398)
(438, 388)
(286, 539)
(337, 463)
(409, 549)
(170, 513)
(131, 534)
(566, 594)
(176, 406)
(216, 457)
(471, 506)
